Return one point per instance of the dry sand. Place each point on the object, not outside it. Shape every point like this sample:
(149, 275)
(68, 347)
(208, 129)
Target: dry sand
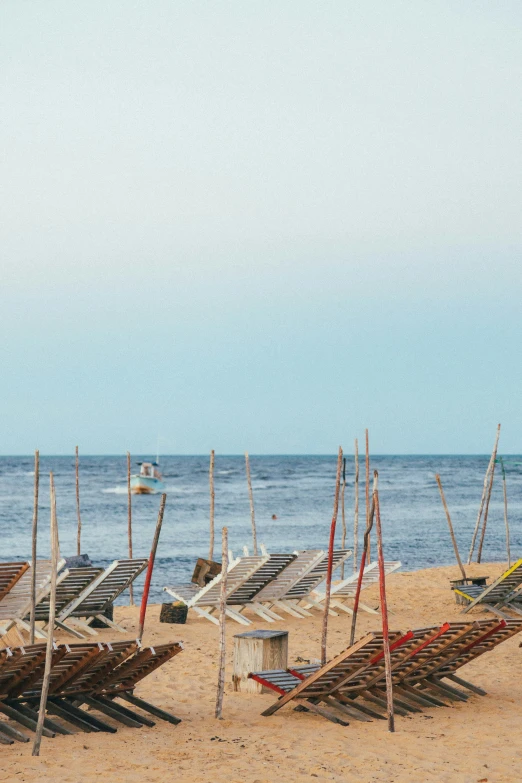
(464, 743)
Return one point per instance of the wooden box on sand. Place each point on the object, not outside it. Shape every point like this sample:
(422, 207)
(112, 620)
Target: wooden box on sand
(256, 651)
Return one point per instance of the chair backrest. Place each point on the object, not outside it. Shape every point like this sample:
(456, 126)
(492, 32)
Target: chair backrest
(87, 664)
(104, 589)
(76, 580)
(489, 638)
(131, 671)
(17, 602)
(347, 588)
(263, 576)
(16, 666)
(10, 573)
(296, 570)
(238, 572)
(497, 591)
(316, 575)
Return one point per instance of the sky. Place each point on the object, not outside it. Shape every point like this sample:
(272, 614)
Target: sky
(260, 226)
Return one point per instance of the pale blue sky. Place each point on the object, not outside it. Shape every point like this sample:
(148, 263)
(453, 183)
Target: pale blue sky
(260, 225)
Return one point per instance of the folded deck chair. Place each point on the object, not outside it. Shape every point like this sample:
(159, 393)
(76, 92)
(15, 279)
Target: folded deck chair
(69, 588)
(10, 573)
(304, 586)
(244, 596)
(347, 588)
(502, 593)
(273, 592)
(16, 604)
(205, 600)
(94, 600)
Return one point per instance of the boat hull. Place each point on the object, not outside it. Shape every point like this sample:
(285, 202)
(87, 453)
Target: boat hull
(145, 485)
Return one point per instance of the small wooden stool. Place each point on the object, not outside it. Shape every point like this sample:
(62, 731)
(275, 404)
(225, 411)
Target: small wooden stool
(256, 651)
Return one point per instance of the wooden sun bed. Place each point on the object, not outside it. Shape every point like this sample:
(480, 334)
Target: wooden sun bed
(10, 573)
(275, 590)
(347, 588)
(16, 604)
(504, 592)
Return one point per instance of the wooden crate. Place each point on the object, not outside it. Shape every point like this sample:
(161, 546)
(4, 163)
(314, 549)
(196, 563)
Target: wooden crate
(174, 613)
(205, 571)
(256, 651)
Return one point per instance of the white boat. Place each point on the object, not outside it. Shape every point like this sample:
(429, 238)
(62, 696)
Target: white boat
(148, 481)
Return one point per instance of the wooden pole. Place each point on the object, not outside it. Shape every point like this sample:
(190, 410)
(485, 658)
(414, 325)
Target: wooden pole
(367, 491)
(483, 498)
(34, 536)
(486, 507)
(508, 547)
(251, 496)
(330, 558)
(364, 557)
(79, 533)
(356, 510)
(212, 505)
(129, 519)
(222, 625)
(452, 534)
(146, 588)
(343, 515)
(384, 611)
(50, 624)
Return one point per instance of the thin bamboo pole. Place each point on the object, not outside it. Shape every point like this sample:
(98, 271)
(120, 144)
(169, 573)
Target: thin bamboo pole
(251, 496)
(129, 519)
(483, 498)
(384, 611)
(50, 624)
(34, 537)
(146, 587)
(367, 489)
(343, 515)
(356, 509)
(452, 534)
(330, 557)
(222, 624)
(486, 507)
(79, 532)
(364, 557)
(508, 546)
(212, 505)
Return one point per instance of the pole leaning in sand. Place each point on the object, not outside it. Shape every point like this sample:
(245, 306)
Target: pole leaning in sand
(212, 505)
(362, 566)
(384, 610)
(129, 519)
(50, 624)
(367, 489)
(452, 534)
(343, 515)
(483, 498)
(488, 498)
(146, 587)
(330, 558)
(34, 537)
(251, 498)
(356, 508)
(508, 546)
(222, 624)
(79, 531)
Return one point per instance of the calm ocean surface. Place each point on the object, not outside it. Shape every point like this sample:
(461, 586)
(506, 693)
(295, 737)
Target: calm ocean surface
(298, 489)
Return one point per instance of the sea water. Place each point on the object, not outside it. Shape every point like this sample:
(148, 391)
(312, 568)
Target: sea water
(297, 490)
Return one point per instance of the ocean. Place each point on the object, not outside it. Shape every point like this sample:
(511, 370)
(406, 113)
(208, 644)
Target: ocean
(297, 489)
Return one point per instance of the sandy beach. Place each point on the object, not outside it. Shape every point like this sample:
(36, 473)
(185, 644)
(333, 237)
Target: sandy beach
(464, 743)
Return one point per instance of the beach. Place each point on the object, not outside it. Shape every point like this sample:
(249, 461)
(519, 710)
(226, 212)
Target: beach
(462, 743)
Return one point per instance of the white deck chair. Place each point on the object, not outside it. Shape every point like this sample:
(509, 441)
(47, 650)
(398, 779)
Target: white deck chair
(347, 588)
(290, 601)
(16, 605)
(205, 600)
(268, 597)
(69, 588)
(94, 600)
(244, 596)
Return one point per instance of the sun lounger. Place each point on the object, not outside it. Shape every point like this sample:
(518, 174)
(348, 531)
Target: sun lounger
(205, 600)
(347, 588)
(243, 597)
(10, 573)
(303, 587)
(94, 600)
(275, 591)
(502, 593)
(16, 604)
(68, 589)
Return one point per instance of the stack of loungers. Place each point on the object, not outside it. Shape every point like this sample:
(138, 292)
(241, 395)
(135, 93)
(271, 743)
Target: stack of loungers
(92, 674)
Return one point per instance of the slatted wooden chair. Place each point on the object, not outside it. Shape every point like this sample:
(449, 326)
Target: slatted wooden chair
(244, 596)
(10, 573)
(347, 588)
(94, 600)
(290, 602)
(264, 601)
(70, 587)
(205, 600)
(16, 604)
(503, 593)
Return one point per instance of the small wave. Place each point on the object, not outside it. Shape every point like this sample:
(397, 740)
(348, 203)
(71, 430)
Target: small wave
(115, 490)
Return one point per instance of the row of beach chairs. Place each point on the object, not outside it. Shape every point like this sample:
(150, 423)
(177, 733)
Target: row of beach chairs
(82, 595)
(91, 674)
(423, 661)
(267, 584)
